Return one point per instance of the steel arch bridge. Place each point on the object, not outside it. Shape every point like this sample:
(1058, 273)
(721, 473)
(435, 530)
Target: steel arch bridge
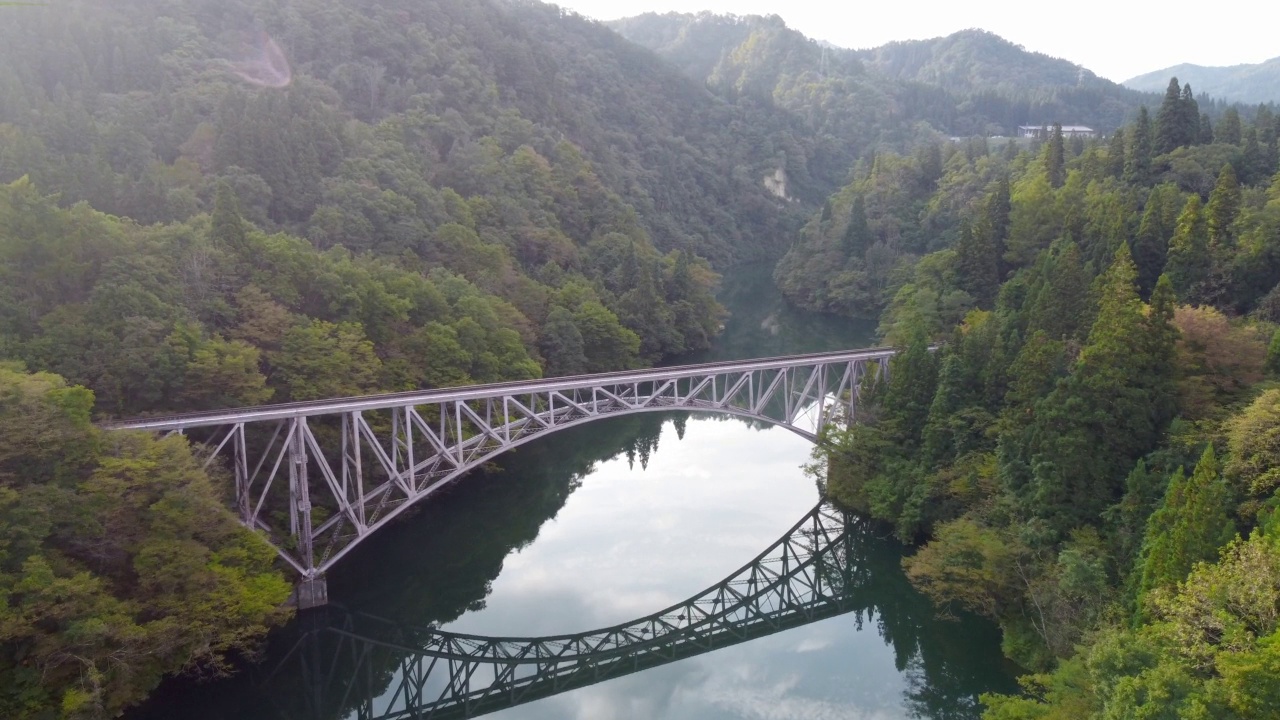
(388, 672)
(319, 477)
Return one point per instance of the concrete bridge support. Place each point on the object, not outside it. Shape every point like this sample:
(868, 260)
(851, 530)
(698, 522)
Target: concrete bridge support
(311, 593)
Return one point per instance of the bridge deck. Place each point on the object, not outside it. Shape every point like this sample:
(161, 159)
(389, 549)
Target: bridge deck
(366, 460)
(474, 392)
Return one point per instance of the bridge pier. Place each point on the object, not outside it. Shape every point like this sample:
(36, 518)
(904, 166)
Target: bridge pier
(311, 593)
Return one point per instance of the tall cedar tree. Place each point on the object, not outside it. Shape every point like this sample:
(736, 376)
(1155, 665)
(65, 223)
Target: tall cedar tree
(226, 228)
(1206, 129)
(1253, 159)
(977, 264)
(1224, 206)
(1189, 527)
(1055, 157)
(1151, 244)
(1190, 116)
(1170, 128)
(913, 379)
(1137, 166)
(1229, 129)
(995, 220)
(1115, 155)
(1061, 304)
(1188, 259)
(857, 234)
(1095, 425)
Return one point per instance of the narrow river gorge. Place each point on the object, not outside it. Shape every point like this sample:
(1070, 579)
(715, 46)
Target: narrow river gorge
(605, 523)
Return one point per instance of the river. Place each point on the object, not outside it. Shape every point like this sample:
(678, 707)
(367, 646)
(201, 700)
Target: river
(606, 523)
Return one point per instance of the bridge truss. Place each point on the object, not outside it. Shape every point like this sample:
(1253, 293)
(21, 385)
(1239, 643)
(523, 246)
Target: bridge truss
(806, 576)
(319, 477)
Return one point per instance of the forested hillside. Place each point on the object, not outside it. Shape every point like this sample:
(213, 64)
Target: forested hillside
(1090, 457)
(854, 255)
(135, 106)
(969, 83)
(394, 195)
(211, 203)
(1007, 83)
(214, 204)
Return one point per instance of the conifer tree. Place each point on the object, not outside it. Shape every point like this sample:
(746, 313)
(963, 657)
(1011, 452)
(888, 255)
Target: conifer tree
(1137, 167)
(1115, 155)
(562, 345)
(1098, 421)
(944, 428)
(995, 221)
(1224, 206)
(913, 379)
(1253, 160)
(1190, 526)
(1159, 349)
(1151, 244)
(1265, 122)
(226, 227)
(977, 264)
(1055, 158)
(1229, 129)
(1170, 130)
(1187, 264)
(1190, 112)
(857, 234)
(1061, 306)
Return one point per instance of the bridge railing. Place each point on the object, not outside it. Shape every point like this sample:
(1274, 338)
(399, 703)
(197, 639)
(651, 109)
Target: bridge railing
(319, 477)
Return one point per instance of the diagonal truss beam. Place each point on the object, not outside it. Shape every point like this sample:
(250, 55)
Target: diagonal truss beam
(811, 573)
(317, 478)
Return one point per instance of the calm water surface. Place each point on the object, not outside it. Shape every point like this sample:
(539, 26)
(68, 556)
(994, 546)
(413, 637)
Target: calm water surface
(610, 522)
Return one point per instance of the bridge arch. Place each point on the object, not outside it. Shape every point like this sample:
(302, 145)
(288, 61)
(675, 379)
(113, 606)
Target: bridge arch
(811, 573)
(341, 469)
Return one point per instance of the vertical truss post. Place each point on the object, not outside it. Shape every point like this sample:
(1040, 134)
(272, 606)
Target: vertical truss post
(353, 462)
(312, 591)
(300, 493)
(240, 455)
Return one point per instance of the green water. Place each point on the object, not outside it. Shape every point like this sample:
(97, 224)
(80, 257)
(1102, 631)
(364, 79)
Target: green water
(609, 522)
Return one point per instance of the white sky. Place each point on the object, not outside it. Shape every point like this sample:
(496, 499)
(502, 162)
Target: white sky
(1115, 40)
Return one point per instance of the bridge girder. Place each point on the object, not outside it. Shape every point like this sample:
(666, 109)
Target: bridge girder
(367, 460)
(809, 574)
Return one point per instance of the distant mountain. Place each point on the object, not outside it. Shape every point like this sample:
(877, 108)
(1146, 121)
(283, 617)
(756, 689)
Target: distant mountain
(975, 61)
(969, 83)
(1238, 83)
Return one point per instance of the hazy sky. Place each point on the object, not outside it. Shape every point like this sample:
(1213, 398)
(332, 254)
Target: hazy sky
(1115, 40)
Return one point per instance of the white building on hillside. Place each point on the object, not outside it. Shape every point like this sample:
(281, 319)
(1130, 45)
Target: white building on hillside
(1068, 131)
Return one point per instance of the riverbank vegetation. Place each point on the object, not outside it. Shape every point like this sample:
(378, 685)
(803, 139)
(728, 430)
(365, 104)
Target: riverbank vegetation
(119, 562)
(1089, 457)
(216, 203)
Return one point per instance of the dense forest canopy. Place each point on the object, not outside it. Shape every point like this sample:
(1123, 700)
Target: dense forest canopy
(207, 204)
(968, 83)
(1089, 458)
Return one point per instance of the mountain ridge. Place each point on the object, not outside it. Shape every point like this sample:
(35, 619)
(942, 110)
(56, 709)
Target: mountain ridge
(1246, 82)
(991, 84)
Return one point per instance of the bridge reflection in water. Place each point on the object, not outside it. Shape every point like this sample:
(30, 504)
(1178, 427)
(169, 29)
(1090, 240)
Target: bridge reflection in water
(383, 671)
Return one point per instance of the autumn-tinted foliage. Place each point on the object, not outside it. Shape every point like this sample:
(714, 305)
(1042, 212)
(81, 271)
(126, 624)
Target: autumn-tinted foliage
(1099, 428)
(118, 560)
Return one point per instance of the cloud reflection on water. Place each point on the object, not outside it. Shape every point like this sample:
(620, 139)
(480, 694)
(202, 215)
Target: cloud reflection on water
(631, 541)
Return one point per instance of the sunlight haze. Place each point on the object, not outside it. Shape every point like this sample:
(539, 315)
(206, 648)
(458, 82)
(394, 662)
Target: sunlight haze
(1116, 41)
